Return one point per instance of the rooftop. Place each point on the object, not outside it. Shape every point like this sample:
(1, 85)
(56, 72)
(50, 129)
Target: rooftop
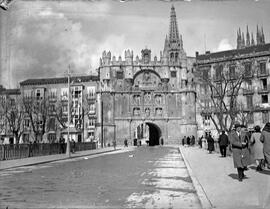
(45, 81)
(235, 52)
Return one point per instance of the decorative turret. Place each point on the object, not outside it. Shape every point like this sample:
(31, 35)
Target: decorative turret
(129, 56)
(252, 40)
(247, 38)
(106, 58)
(258, 37)
(262, 37)
(243, 41)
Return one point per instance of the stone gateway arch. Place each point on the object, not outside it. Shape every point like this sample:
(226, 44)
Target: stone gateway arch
(159, 93)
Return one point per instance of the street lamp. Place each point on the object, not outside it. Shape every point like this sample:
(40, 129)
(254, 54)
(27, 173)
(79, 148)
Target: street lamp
(68, 143)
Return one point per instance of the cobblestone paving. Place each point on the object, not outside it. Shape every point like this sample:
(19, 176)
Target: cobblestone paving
(146, 177)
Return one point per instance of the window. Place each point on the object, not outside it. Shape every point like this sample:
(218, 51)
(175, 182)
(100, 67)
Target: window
(26, 123)
(51, 124)
(263, 68)
(205, 75)
(91, 122)
(65, 108)
(250, 118)
(39, 94)
(119, 75)
(76, 92)
(52, 108)
(27, 93)
(248, 69)
(232, 72)
(264, 99)
(64, 93)
(219, 70)
(264, 84)
(92, 108)
(53, 93)
(173, 74)
(249, 101)
(91, 92)
(265, 117)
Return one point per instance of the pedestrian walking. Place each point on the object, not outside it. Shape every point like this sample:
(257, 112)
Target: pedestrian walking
(126, 143)
(114, 144)
(265, 139)
(73, 143)
(257, 146)
(188, 140)
(192, 142)
(223, 142)
(200, 141)
(211, 143)
(239, 141)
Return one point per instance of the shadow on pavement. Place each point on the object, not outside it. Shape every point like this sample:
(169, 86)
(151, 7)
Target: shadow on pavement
(266, 172)
(233, 176)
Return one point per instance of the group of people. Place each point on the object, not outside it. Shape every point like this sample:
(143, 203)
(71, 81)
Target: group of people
(188, 141)
(246, 147)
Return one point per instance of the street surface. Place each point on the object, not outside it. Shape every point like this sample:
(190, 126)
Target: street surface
(145, 177)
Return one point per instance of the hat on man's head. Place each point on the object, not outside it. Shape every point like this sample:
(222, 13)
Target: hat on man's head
(237, 124)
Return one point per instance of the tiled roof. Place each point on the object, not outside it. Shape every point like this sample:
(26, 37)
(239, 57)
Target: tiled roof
(42, 81)
(235, 52)
(4, 91)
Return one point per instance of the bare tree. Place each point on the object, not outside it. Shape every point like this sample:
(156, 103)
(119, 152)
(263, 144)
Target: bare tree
(223, 89)
(13, 115)
(37, 109)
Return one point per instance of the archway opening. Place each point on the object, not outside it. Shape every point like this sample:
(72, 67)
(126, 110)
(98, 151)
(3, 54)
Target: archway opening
(148, 133)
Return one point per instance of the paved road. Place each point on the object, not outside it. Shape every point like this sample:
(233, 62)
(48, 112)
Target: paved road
(148, 177)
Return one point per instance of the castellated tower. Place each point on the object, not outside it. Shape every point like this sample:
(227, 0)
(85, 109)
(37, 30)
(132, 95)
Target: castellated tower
(144, 91)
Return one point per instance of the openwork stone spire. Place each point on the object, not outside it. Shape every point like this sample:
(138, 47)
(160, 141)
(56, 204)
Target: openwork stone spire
(173, 33)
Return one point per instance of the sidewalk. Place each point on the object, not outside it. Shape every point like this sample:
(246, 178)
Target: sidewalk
(50, 158)
(218, 180)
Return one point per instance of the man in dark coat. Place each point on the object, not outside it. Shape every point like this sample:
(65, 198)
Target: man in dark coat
(239, 141)
(223, 142)
(211, 143)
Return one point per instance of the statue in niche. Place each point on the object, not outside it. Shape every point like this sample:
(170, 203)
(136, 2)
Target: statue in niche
(146, 77)
(147, 112)
(136, 111)
(158, 99)
(147, 98)
(136, 99)
(158, 111)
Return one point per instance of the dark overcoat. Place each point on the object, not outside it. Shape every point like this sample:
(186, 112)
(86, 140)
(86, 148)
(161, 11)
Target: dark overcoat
(240, 154)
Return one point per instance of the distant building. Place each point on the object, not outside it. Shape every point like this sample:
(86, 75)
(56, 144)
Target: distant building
(254, 92)
(8, 97)
(83, 107)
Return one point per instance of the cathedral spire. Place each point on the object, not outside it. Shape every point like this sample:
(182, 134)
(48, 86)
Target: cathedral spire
(262, 37)
(258, 36)
(252, 40)
(238, 39)
(173, 33)
(243, 40)
(247, 38)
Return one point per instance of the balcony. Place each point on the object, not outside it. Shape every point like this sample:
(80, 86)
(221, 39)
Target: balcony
(247, 91)
(52, 98)
(91, 97)
(264, 89)
(263, 73)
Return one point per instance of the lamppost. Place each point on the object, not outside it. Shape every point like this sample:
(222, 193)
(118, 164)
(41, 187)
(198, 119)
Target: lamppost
(68, 142)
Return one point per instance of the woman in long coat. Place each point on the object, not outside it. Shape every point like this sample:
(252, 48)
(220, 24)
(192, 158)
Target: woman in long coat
(265, 139)
(211, 143)
(257, 147)
(239, 142)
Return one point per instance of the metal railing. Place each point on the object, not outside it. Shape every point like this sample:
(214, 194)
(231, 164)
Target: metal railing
(18, 151)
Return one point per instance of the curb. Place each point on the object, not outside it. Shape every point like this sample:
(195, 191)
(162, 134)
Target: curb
(205, 202)
(64, 158)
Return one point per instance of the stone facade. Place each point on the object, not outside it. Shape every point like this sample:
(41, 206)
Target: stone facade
(157, 92)
(255, 88)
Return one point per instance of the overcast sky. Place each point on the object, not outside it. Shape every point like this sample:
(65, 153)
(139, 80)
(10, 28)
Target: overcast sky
(46, 36)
